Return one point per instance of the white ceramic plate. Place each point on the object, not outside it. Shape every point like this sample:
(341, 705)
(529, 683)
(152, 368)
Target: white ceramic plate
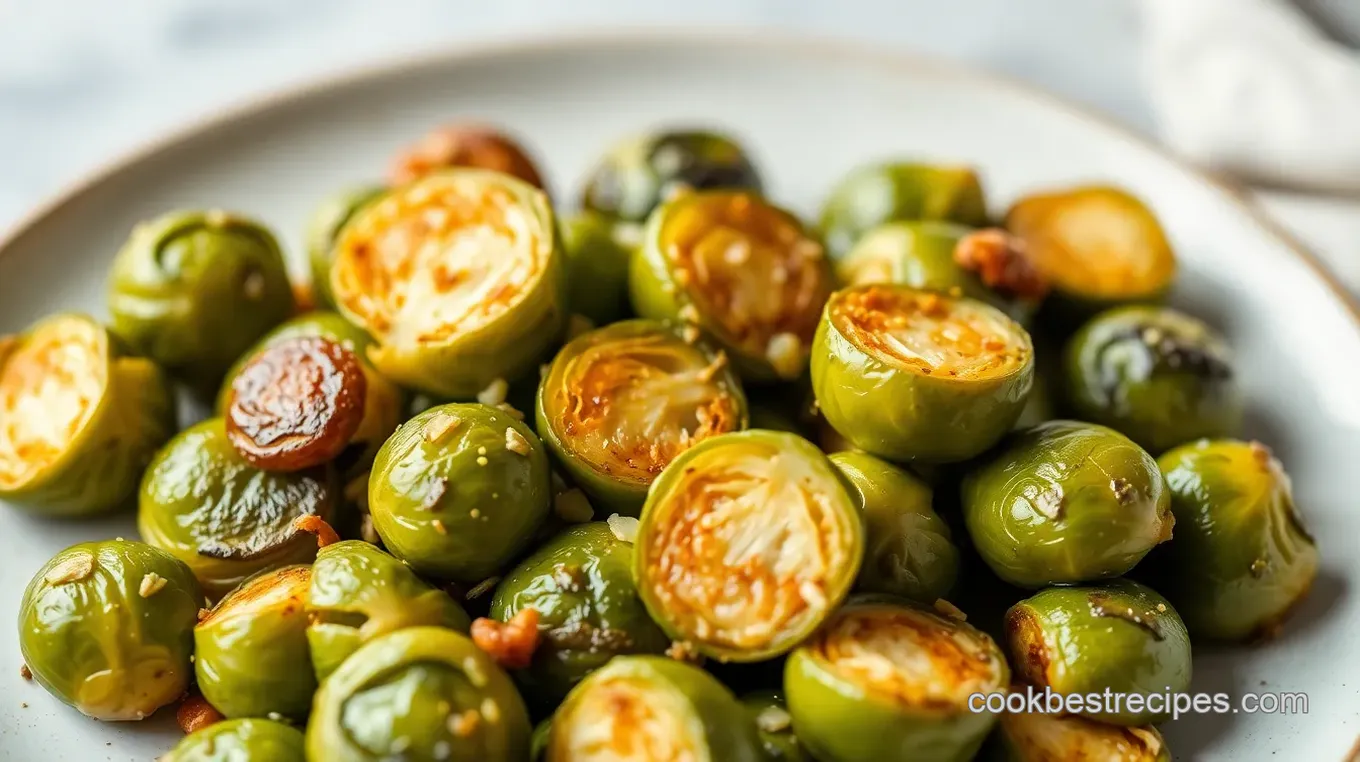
(810, 111)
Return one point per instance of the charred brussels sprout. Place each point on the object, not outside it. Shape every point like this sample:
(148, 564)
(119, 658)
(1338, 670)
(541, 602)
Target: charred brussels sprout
(328, 219)
(598, 251)
(193, 290)
(107, 627)
(645, 708)
(79, 418)
(740, 269)
(581, 585)
(1065, 502)
(1039, 737)
(774, 727)
(908, 549)
(222, 516)
(458, 277)
(420, 693)
(642, 172)
(914, 375)
(358, 593)
(1119, 636)
(459, 490)
(250, 651)
(883, 681)
(477, 146)
(874, 194)
(620, 403)
(241, 741)
(1158, 375)
(1241, 558)
(748, 541)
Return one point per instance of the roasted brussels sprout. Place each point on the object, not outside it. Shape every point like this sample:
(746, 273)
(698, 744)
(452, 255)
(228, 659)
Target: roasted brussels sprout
(581, 584)
(1159, 376)
(1039, 737)
(478, 146)
(459, 491)
(748, 541)
(908, 548)
(246, 740)
(1065, 502)
(883, 680)
(538, 743)
(914, 375)
(1119, 635)
(358, 593)
(645, 708)
(193, 290)
(643, 171)
(598, 251)
(774, 727)
(332, 215)
(458, 277)
(892, 191)
(1098, 246)
(619, 403)
(420, 693)
(222, 516)
(1241, 558)
(250, 651)
(740, 269)
(107, 627)
(80, 418)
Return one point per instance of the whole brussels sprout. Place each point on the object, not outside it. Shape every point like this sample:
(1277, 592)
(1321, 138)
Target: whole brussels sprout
(915, 375)
(419, 693)
(243, 740)
(459, 278)
(620, 403)
(643, 708)
(1065, 502)
(1159, 376)
(884, 680)
(740, 269)
(468, 144)
(641, 172)
(891, 191)
(459, 491)
(222, 516)
(581, 584)
(1241, 558)
(107, 627)
(1118, 636)
(324, 227)
(1040, 737)
(81, 417)
(358, 593)
(192, 290)
(598, 251)
(770, 714)
(747, 542)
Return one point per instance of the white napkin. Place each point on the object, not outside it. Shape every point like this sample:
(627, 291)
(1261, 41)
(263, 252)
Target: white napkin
(1251, 88)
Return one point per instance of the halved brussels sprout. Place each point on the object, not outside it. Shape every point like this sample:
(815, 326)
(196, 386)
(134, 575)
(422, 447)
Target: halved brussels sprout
(1241, 558)
(748, 541)
(646, 708)
(1119, 637)
(422, 693)
(888, 192)
(1098, 246)
(1065, 502)
(1159, 376)
(598, 250)
(79, 418)
(739, 268)
(620, 403)
(241, 741)
(458, 277)
(222, 516)
(469, 144)
(883, 680)
(459, 491)
(358, 593)
(774, 727)
(1039, 737)
(107, 627)
(193, 290)
(250, 651)
(581, 584)
(908, 550)
(915, 375)
(641, 172)
(328, 219)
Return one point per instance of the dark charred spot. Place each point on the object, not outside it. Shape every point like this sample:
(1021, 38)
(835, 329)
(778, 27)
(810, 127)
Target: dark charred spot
(1028, 647)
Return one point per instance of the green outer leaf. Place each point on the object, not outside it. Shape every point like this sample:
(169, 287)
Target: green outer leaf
(236, 740)
(890, 191)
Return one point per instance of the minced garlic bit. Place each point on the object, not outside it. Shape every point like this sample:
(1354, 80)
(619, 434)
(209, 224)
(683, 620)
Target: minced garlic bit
(690, 334)
(439, 424)
(573, 507)
(624, 527)
(490, 710)
(464, 724)
(494, 393)
(689, 313)
(511, 410)
(772, 719)
(482, 461)
(481, 450)
(516, 443)
(439, 526)
(254, 286)
(683, 650)
(949, 610)
(72, 569)
(152, 583)
(785, 353)
(627, 234)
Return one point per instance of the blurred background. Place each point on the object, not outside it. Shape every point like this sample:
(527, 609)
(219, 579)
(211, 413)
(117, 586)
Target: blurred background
(1265, 92)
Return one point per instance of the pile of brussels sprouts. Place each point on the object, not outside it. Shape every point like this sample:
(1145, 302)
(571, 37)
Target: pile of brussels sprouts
(677, 477)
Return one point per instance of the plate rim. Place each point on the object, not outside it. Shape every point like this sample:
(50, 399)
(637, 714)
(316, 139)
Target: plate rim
(793, 43)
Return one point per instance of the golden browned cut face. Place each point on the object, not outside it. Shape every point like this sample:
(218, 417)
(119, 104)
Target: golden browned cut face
(1075, 739)
(622, 718)
(285, 588)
